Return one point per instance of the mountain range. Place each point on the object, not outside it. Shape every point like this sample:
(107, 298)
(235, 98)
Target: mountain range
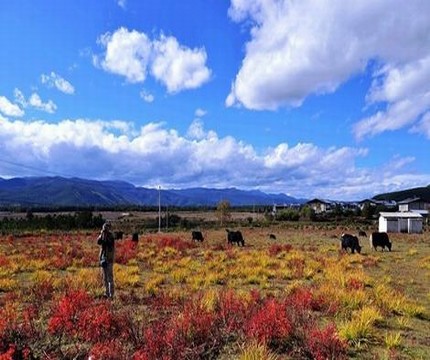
(420, 192)
(60, 191)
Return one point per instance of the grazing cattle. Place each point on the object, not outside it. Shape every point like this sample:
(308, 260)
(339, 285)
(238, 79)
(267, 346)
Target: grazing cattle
(362, 233)
(235, 237)
(350, 241)
(380, 239)
(118, 235)
(197, 236)
(272, 236)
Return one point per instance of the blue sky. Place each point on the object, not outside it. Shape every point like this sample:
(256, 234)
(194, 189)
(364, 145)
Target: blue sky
(310, 98)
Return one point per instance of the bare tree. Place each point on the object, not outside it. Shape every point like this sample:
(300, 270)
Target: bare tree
(223, 211)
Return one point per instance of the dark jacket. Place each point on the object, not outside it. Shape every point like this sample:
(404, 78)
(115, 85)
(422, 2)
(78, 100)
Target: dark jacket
(107, 243)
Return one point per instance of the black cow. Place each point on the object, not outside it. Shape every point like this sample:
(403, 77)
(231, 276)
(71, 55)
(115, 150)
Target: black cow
(197, 236)
(350, 241)
(235, 237)
(135, 237)
(362, 233)
(272, 236)
(380, 239)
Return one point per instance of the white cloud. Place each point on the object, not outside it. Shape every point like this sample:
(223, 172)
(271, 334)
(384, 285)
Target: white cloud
(36, 102)
(55, 80)
(303, 47)
(423, 126)
(406, 91)
(127, 54)
(177, 66)
(132, 53)
(149, 98)
(122, 3)
(8, 108)
(196, 130)
(154, 154)
(200, 112)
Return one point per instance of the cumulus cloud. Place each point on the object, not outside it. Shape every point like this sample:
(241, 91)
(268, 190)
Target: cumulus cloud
(127, 54)
(34, 101)
(177, 66)
(154, 154)
(303, 47)
(132, 54)
(55, 80)
(8, 108)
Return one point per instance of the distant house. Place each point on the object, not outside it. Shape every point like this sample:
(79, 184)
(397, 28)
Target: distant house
(374, 202)
(411, 204)
(321, 206)
(400, 222)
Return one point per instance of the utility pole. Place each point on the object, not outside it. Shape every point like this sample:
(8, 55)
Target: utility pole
(159, 208)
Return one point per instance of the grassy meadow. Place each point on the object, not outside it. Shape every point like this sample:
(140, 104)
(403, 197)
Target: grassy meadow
(293, 297)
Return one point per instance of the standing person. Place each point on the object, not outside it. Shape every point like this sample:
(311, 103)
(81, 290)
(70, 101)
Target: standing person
(106, 257)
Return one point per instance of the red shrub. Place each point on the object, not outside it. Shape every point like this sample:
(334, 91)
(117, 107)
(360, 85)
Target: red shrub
(9, 327)
(107, 350)
(9, 354)
(355, 284)
(275, 249)
(325, 344)
(125, 251)
(232, 311)
(175, 243)
(97, 323)
(269, 324)
(67, 312)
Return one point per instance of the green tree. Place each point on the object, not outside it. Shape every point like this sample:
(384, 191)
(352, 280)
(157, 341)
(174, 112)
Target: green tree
(307, 213)
(288, 215)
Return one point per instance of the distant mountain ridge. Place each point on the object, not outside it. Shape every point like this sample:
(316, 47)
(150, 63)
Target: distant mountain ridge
(422, 192)
(60, 191)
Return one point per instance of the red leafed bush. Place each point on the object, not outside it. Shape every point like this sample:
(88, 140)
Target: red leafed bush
(270, 324)
(67, 312)
(97, 323)
(303, 299)
(173, 242)
(355, 284)
(125, 251)
(9, 354)
(325, 344)
(188, 334)
(107, 350)
(9, 327)
(232, 311)
(275, 249)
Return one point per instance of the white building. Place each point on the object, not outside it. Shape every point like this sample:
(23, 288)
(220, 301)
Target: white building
(403, 222)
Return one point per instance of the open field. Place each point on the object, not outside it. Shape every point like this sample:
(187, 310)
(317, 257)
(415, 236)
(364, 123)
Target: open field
(296, 297)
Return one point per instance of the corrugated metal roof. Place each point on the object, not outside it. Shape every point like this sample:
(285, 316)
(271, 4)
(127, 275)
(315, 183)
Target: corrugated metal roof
(403, 214)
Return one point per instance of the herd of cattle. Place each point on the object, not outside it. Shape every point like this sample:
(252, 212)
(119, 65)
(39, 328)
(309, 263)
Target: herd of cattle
(347, 241)
(376, 239)
(232, 237)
